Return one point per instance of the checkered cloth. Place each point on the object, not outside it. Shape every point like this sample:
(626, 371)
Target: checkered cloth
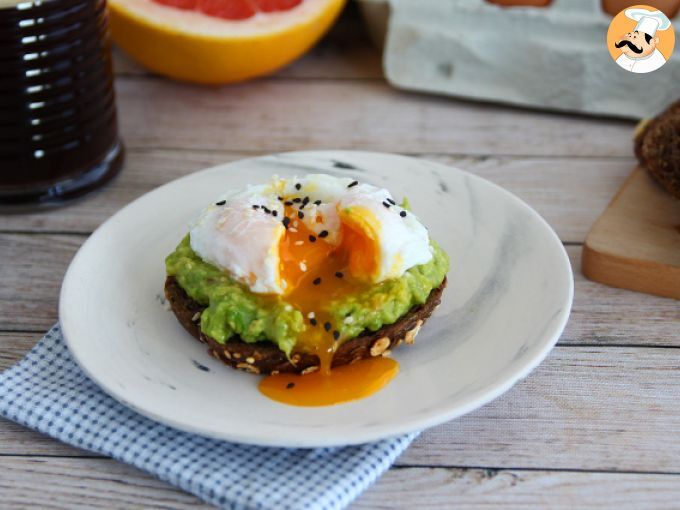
(46, 391)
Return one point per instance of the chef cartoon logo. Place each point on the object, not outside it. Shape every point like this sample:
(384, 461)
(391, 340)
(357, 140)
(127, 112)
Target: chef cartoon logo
(640, 39)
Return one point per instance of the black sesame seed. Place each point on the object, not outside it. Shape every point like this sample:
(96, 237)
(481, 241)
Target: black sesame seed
(323, 233)
(267, 211)
(275, 213)
(305, 200)
(280, 199)
(313, 321)
(301, 214)
(327, 326)
(402, 214)
(298, 186)
(317, 281)
(221, 202)
(339, 274)
(317, 202)
(336, 335)
(297, 200)
(391, 201)
(312, 239)
(286, 221)
(288, 203)
(352, 184)
(302, 206)
(386, 204)
(290, 385)
(256, 206)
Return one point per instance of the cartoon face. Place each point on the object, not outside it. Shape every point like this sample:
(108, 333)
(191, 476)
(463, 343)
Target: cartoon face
(637, 44)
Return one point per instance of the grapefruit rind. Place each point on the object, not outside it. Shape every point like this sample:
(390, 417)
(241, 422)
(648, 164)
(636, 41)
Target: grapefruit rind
(190, 46)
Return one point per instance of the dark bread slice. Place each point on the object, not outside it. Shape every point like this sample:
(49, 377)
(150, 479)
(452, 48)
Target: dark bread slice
(657, 147)
(644, 125)
(267, 358)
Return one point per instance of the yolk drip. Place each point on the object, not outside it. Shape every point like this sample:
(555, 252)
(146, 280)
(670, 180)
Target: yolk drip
(316, 273)
(345, 383)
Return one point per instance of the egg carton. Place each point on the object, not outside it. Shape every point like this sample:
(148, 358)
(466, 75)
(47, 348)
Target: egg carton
(551, 57)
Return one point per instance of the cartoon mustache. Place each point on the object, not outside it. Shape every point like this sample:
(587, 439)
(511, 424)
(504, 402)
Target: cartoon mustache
(625, 42)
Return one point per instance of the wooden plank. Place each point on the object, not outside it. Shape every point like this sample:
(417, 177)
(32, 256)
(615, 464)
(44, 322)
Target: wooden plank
(14, 346)
(590, 408)
(345, 53)
(31, 272)
(635, 243)
(485, 488)
(85, 484)
(36, 265)
(569, 193)
(102, 483)
(275, 115)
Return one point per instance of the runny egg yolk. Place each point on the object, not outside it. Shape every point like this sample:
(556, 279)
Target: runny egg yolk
(315, 273)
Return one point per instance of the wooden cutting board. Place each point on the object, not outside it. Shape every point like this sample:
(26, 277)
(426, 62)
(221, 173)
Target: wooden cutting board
(635, 243)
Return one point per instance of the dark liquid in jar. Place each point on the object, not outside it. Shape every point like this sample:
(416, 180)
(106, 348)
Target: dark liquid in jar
(58, 126)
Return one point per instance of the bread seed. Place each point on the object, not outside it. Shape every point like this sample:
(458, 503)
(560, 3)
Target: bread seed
(411, 335)
(379, 346)
(248, 368)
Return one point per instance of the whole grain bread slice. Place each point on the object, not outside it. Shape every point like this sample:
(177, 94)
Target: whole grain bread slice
(267, 358)
(657, 146)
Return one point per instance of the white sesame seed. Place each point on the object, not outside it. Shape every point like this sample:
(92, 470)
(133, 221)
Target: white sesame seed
(303, 267)
(349, 320)
(299, 243)
(288, 308)
(292, 229)
(311, 315)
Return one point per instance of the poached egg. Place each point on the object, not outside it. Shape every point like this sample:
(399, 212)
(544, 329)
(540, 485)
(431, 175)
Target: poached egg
(270, 237)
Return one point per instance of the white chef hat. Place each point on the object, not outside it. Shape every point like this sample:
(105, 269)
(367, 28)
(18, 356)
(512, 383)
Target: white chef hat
(648, 21)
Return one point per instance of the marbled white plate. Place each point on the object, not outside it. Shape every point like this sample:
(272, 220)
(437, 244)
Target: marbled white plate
(508, 299)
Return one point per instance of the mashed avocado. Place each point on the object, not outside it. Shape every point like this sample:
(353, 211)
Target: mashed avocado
(233, 310)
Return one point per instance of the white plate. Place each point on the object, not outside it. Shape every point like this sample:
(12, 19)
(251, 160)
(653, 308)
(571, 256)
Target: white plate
(507, 302)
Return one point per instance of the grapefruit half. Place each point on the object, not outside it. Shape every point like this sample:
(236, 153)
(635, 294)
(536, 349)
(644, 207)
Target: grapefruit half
(218, 41)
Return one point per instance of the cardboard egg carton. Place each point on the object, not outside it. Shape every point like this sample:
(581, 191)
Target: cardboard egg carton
(551, 57)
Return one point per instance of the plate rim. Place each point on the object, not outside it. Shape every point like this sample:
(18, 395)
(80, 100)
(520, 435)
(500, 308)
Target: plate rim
(499, 385)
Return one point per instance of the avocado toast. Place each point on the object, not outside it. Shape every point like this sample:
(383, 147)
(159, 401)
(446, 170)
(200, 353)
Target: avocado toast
(306, 274)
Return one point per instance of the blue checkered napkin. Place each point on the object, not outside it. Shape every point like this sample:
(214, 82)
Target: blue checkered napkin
(46, 391)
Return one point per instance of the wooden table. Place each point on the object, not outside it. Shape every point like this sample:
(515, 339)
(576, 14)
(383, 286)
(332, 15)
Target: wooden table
(596, 425)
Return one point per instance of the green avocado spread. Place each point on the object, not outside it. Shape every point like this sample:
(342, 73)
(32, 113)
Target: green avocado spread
(233, 310)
